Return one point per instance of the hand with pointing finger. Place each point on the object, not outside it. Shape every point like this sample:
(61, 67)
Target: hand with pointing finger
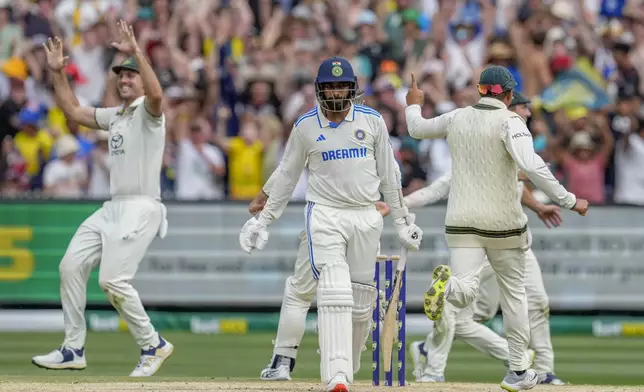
(414, 96)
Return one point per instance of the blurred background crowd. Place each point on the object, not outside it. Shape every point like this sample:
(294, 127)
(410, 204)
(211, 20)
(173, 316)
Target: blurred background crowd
(238, 73)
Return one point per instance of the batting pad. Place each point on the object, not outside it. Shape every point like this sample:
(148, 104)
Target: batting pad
(364, 300)
(335, 303)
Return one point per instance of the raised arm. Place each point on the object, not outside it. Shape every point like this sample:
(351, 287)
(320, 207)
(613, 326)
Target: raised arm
(430, 194)
(518, 143)
(426, 128)
(419, 127)
(151, 85)
(63, 94)
(285, 179)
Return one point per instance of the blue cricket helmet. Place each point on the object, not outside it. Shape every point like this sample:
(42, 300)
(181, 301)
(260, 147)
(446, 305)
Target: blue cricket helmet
(335, 70)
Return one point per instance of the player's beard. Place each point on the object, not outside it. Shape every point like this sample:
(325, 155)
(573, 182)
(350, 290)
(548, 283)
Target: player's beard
(338, 104)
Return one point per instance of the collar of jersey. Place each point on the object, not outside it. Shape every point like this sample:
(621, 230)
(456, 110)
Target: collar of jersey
(132, 106)
(492, 102)
(324, 122)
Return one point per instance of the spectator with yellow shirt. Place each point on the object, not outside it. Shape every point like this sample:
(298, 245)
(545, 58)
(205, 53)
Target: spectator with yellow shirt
(245, 159)
(33, 143)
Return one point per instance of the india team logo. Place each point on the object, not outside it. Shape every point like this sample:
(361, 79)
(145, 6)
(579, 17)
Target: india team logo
(360, 134)
(337, 71)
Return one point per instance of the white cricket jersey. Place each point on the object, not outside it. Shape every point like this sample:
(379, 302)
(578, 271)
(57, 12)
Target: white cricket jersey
(488, 144)
(136, 144)
(348, 162)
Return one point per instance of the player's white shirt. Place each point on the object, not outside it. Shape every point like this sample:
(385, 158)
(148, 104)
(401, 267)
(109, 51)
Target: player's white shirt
(348, 162)
(136, 144)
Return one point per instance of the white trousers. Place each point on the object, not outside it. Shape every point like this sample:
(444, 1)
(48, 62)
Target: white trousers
(350, 236)
(487, 305)
(115, 237)
(509, 266)
(469, 329)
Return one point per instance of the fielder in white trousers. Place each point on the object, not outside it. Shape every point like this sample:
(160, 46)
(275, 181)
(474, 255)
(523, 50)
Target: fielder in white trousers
(488, 145)
(116, 237)
(434, 351)
(430, 356)
(487, 305)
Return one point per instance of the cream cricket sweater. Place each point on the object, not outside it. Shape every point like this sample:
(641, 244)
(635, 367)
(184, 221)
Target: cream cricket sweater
(488, 144)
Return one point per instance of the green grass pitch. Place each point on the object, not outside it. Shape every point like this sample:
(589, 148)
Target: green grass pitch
(111, 356)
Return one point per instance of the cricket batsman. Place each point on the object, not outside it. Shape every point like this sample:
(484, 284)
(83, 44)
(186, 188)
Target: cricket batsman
(118, 234)
(488, 145)
(434, 351)
(350, 162)
(299, 290)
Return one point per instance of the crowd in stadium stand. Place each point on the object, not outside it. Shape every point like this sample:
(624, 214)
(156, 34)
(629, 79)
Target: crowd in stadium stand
(238, 73)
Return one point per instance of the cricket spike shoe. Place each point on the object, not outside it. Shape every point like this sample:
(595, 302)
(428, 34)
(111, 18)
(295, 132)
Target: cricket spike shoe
(279, 369)
(514, 382)
(64, 358)
(339, 383)
(152, 359)
(435, 296)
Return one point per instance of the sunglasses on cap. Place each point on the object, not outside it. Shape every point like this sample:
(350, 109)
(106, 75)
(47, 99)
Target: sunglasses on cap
(495, 89)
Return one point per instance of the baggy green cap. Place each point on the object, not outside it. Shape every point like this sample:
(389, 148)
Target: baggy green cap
(128, 64)
(497, 75)
(519, 99)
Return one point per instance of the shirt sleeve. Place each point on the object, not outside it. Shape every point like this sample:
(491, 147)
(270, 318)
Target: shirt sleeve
(286, 175)
(431, 194)
(150, 121)
(386, 165)
(270, 183)
(103, 116)
(518, 143)
(426, 128)
(389, 172)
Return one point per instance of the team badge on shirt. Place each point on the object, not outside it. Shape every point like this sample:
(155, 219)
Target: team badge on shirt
(359, 134)
(116, 142)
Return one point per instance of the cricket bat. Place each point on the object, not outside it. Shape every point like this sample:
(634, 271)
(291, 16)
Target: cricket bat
(390, 323)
